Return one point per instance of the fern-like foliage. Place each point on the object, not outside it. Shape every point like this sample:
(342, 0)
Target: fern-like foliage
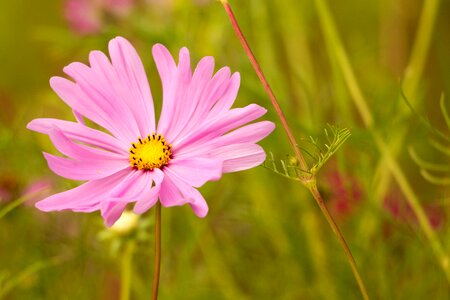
(335, 138)
(319, 151)
(287, 168)
(436, 173)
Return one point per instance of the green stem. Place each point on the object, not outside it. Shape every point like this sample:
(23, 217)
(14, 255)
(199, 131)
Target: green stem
(334, 42)
(413, 73)
(157, 260)
(12, 205)
(422, 42)
(308, 181)
(126, 266)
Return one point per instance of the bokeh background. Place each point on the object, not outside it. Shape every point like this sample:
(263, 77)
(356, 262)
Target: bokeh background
(264, 237)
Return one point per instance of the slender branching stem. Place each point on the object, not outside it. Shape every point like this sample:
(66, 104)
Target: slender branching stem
(157, 261)
(127, 257)
(309, 179)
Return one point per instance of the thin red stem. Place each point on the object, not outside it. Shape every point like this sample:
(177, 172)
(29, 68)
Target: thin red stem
(318, 197)
(308, 181)
(266, 85)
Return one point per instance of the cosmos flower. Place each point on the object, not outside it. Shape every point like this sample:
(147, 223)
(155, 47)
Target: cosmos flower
(198, 136)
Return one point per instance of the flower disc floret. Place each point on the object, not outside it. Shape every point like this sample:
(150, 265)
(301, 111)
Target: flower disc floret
(151, 152)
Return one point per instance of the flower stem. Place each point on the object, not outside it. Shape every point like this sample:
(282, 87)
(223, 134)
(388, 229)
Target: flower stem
(127, 258)
(157, 261)
(266, 85)
(307, 180)
(316, 194)
(12, 205)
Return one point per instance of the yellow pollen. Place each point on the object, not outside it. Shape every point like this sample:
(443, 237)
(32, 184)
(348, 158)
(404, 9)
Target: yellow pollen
(151, 152)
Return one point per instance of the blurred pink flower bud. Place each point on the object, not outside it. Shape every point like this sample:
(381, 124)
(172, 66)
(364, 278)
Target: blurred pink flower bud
(118, 7)
(84, 16)
(88, 16)
(37, 190)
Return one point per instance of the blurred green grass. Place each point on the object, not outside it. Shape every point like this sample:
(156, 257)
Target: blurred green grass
(264, 237)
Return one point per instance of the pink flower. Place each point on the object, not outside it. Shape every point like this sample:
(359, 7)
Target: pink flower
(84, 16)
(87, 16)
(118, 7)
(195, 140)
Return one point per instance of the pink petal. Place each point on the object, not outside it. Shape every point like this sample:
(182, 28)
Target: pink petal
(100, 84)
(164, 63)
(111, 211)
(82, 152)
(84, 170)
(78, 117)
(196, 171)
(94, 106)
(196, 201)
(233, 119)
(136, 184)
(248, 134)
(173, 93)
(213, 91)
(147, 200)
(85, 196)
(132, 74)
(80, 133)
(189, 194)
(194, 95)
(226, 101)
(169, 194)
(110, 195)
(251, 133)
(238, 157)
(121, 86)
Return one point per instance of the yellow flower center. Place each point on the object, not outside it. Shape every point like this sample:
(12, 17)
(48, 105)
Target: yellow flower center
(151, 152)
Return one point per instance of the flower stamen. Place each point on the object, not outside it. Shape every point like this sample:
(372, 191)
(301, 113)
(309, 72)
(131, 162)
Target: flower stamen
(151, 152)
